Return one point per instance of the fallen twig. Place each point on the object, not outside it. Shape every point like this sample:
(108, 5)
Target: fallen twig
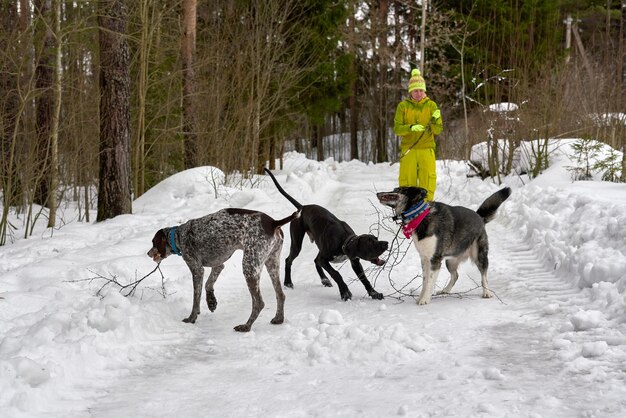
(125, 289)
(396, 253)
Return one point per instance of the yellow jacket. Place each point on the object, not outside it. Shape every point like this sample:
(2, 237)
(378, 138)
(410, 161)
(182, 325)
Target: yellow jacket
(409, 112)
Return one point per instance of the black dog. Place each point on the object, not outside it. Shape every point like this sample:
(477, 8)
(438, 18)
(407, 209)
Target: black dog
(335, 240)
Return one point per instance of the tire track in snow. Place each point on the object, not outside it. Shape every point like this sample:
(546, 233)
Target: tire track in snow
(558, 347)
(542, 283)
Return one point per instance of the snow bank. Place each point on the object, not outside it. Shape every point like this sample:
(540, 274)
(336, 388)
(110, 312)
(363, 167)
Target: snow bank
(577, 228)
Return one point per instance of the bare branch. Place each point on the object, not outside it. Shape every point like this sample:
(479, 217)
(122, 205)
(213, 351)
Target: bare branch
(125, 289)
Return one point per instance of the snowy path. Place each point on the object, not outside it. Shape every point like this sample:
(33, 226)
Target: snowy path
(546, 352)
(532, 351)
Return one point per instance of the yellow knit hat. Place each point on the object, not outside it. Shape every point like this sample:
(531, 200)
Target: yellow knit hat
(417, 81)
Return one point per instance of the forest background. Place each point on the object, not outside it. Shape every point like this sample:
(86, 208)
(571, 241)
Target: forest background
(100, 100)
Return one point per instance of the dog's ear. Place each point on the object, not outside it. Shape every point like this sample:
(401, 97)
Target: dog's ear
(160, 242)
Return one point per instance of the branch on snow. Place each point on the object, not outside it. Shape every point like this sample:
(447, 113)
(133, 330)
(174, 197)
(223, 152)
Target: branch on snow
(127, 289)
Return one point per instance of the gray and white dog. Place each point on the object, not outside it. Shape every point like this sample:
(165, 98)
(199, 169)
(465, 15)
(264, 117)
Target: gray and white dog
(441, 231)
(211, 240)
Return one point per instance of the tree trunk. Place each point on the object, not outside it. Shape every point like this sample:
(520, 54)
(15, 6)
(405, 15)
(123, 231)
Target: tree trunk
(354, 124)
(423, 38)
(319, 141)
(9, 104)
(620, 88)
(9, 113)
(44, 100)
(257, 146)
(139, 144)
(56, 114)
(114, 191)
(189, 83)
(381, 112)
(352, 100)
(272, 151)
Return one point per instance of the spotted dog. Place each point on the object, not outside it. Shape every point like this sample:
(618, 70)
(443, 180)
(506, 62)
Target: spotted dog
(211, 240)
(440, 231)
(336, 242)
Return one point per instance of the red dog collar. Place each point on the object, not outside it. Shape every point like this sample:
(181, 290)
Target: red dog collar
(412, 226)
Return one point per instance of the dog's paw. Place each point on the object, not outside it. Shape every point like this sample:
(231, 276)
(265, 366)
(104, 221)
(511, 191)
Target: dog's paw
(377, 295)
(326, 282)
(190, 320)
(289, 285)
(486, 294)
(211, 302)
(421, 301)
(347, 295)
(277, 320)
(442, 292)
(242, 328)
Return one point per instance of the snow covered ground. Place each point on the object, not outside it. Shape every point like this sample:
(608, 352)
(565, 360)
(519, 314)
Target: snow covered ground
(552, 343)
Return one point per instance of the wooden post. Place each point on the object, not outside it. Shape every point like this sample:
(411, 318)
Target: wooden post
(568, 36)
(583, 53)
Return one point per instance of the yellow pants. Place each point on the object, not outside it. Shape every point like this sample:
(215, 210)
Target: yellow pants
(418, 169)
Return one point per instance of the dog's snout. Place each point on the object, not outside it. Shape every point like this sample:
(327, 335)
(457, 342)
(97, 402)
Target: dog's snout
(154, 254)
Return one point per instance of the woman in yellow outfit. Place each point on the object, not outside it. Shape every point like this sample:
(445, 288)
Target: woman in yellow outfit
(417, 121)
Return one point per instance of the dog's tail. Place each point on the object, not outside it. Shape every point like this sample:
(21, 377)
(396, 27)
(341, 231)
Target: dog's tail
(280, 222)
(283, 192)
(488, 209)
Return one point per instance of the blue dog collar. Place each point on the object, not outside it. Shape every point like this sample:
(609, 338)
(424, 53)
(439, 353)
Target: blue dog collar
(173, 243)
(414, 211)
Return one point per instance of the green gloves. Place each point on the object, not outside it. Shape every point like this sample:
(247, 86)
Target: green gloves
(436, 115)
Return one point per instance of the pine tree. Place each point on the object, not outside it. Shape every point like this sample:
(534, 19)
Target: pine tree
(114, 192)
